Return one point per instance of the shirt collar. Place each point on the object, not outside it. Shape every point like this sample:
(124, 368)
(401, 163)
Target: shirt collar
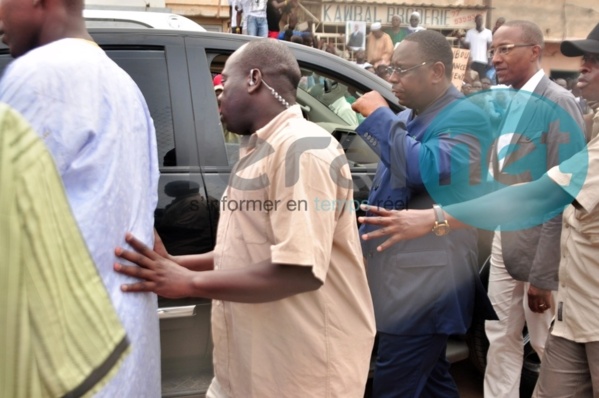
(534, 81)
(266, 132)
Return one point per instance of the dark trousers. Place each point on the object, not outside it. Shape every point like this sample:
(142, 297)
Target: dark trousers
(413, 367)
(480, 68)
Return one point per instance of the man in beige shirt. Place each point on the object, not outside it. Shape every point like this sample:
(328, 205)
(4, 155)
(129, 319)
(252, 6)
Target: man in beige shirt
(292, 314)
(379, 46)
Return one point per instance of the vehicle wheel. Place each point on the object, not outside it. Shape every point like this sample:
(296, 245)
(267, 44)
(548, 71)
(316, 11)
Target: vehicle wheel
(479, 345)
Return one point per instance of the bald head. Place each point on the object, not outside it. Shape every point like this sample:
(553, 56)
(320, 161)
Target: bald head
(260, 81)
(276, 62)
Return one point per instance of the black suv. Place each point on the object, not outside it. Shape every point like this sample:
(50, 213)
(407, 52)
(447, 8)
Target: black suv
(175, 70)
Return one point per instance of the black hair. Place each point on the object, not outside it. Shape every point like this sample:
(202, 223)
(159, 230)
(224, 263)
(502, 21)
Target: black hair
(531, 33)
(434, 47)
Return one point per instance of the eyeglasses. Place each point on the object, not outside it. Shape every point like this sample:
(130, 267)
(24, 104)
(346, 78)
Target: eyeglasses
(400, 72)
(505, 49)
(592, 59)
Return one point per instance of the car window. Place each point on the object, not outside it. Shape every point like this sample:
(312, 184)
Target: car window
(325, 100)
(148, 69)
(185, 215)
(332, 93)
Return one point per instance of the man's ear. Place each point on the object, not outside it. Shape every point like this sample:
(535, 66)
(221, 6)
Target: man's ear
(254, 79)
(537, 52)
(438, 72)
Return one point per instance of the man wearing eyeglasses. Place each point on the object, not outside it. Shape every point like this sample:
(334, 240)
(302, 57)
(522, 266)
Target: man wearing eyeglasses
(424, 289)
(524, 264)
(570, 365)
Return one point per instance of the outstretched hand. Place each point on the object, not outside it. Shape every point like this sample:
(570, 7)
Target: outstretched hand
(368, 103)
(399, 224)
(159, 274)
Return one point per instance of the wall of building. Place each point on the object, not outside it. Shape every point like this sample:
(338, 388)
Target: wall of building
(553, 62)
(558, 19)
(211, 14)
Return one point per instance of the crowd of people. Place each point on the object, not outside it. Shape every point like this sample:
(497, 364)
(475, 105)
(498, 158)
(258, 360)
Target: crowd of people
(279, 19)
(297, 295)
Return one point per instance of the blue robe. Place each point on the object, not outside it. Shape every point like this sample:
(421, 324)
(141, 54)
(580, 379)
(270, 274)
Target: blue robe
(427, 285)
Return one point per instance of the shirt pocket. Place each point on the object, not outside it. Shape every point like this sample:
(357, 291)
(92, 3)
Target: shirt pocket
(420, 275)
(587, 224)
(250, 215)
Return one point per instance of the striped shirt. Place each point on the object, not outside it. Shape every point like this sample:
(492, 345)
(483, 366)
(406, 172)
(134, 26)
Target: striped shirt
(59, 333)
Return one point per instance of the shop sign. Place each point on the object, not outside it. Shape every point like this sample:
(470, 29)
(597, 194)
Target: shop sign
(430, 17)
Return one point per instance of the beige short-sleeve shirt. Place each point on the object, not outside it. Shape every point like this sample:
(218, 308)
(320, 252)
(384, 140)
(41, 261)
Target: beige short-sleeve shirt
(290, 201)
(578, 291)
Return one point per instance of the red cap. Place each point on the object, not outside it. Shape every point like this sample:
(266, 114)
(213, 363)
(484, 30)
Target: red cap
(218, 82)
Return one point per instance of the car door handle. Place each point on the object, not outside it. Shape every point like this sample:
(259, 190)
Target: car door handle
(176, 312)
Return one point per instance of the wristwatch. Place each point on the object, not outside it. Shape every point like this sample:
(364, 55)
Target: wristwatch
(441, 227)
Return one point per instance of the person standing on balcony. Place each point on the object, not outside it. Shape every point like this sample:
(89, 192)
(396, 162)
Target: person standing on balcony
(396, 31)
(478, 40)
(379, 46)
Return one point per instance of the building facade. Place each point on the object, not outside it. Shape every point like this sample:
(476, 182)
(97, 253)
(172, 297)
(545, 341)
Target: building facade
(559, 19)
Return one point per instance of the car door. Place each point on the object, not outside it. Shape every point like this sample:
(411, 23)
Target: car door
(332, 75)
(187, 213)
(175, 75)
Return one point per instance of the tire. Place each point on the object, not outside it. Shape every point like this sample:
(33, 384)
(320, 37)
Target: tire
(479, 345)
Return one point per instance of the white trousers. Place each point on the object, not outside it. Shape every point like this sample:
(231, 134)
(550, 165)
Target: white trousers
(506, 347)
